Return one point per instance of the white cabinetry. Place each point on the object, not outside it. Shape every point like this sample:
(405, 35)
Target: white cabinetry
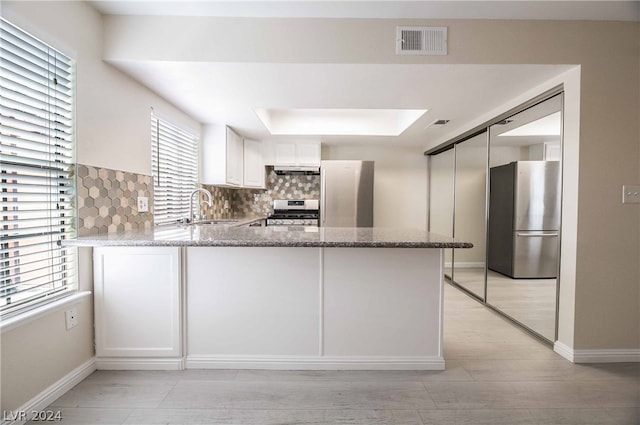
(317, 308)
(285, 154)
(308, 154)
(296, 154)
(235, 152)
(253, 164)
(229, 160)
(138, 307)
(221, 156)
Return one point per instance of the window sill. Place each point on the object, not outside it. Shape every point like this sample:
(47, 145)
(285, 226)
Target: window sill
(36, 313)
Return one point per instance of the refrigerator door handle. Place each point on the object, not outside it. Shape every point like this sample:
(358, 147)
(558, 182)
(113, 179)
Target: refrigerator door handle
(536, 235)
(323, 189)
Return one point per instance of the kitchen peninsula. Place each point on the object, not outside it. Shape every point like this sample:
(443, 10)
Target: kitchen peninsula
(205, 296)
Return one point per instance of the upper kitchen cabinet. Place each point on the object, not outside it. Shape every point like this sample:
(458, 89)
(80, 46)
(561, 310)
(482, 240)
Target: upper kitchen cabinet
(253, 164)
(295, 154)
(222, 156)
(308, 153)
(235, 158)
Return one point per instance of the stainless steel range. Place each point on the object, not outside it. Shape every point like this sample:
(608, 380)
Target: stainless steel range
(294, 212)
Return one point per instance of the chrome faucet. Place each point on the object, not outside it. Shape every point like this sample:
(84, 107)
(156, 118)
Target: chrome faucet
(192, 215)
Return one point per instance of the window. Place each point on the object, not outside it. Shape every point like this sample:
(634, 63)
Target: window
(36, 163)
(174, 158)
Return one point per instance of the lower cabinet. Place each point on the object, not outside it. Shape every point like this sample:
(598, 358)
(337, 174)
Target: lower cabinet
(138, 307)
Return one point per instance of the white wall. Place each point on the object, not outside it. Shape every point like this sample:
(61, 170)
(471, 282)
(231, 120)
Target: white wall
(112, 131)
(112, 110)
(400, 182)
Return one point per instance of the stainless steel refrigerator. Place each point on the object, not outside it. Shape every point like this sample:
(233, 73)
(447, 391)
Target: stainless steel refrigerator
(524, 219)
(346, 193)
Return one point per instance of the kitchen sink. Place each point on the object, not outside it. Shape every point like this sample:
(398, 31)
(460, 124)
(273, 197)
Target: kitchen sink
(220, 222)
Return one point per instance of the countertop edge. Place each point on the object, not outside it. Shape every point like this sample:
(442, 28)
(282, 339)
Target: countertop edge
(263, 244)
(241, 235)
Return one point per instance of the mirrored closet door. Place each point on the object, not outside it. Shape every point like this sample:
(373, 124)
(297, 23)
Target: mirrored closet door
(470, 213)
(524, 216)
(501, 190)
(441, 186)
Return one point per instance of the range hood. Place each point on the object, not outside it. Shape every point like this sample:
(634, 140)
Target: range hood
(296, 170)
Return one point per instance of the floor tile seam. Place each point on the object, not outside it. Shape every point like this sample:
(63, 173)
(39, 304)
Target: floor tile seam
(581, 408)
(442, 409)
(279, 409)
(433, 401)
(184, 380)
(173, 388)
(562, 381)
(133, 410)
(272, 409)
(537, 380)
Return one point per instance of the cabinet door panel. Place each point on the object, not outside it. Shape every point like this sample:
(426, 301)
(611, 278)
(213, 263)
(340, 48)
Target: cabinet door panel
(253, 166)
(285, 154)
(308, 154)
(137, 302)
(231, 154)
(234, 158)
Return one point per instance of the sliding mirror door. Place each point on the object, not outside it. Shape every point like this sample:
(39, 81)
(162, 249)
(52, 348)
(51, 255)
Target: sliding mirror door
(441, 180)
(524, 216)
(470, 213)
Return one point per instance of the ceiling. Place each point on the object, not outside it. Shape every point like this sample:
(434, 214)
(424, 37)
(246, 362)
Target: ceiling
(394, 9)
(230, 93)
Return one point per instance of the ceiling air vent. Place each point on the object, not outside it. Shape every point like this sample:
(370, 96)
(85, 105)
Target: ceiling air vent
(421, 40)
(437, 124)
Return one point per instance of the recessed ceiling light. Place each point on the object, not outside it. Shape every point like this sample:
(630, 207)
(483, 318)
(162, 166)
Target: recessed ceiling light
(343, 122)
(545, 126)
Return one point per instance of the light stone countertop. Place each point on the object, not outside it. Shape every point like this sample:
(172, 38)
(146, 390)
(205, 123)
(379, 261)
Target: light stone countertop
(273, 236)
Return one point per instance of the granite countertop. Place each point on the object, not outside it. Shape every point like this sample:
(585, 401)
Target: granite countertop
(273, 236)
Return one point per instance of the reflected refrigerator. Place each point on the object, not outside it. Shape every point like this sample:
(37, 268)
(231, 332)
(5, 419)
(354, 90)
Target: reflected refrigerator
(524, 219)
(346, 193)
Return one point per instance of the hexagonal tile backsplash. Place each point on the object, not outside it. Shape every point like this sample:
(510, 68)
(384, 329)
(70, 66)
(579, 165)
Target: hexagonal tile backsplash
(250, 202)
(107, 200)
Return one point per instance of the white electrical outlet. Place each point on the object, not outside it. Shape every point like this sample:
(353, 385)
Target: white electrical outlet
(143, 204)
(631, 194)
(71, 318)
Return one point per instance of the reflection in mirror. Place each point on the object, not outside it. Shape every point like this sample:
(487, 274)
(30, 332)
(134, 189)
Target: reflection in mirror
(441, 175)
(470, 213)
(524, 216)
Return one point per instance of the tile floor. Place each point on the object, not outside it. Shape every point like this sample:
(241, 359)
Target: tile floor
(496, 374)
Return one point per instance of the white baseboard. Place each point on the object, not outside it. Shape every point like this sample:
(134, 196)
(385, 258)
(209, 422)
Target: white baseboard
(597, 356)
(564, 350)
(315, 363)
(53, 392)
(141, 363)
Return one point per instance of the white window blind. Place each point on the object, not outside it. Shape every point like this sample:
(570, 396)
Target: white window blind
(36, 162)
(174, 156)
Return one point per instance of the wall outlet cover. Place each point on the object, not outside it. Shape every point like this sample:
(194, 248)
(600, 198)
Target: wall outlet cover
(631, 194)
(71, 318)
(143, 204)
